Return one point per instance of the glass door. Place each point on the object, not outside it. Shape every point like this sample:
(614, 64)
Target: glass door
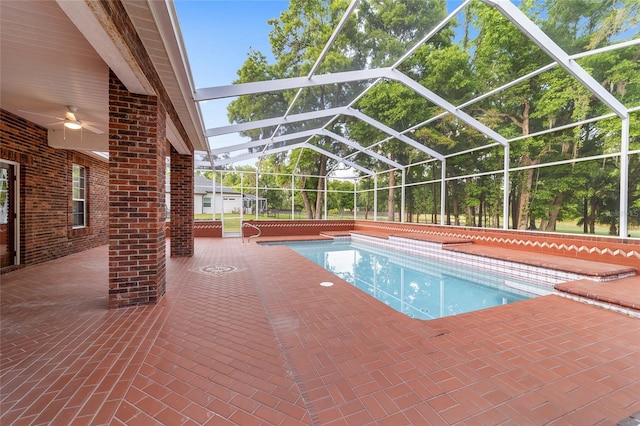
(8, 217)
(231, 215)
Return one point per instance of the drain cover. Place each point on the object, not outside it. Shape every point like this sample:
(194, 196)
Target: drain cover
(216, 270)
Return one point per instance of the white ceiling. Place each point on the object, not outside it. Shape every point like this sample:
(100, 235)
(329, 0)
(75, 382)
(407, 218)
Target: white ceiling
(47, 64)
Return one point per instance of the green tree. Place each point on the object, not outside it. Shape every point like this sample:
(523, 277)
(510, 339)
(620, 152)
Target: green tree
(550, 99)
(297, 38)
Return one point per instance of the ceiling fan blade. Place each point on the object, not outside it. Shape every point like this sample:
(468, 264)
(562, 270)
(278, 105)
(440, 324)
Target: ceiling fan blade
(92, 129)
(42, 115)
(53, 124)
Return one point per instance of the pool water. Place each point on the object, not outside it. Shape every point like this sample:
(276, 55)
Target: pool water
(419, 287)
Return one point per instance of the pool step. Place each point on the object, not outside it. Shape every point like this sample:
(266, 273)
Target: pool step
(430, 238)
(624, 293)
(336, 234)
(597, 271)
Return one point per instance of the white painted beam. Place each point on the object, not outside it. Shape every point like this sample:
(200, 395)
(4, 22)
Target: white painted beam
(360, 148)
(318, 114)
(340, 159)
(97, 28)
(535, 34)
(394, 75)
(447, 106)
(252, 155)
(388, 130)
(233, 90)
(624, 179)
(257, 124)
(260, 142)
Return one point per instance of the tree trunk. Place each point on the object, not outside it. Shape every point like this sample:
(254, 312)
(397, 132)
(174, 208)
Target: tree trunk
(305, 199)
(366, 207)
(524, 196)
(515, 214)
(524, 202)
(447, 208)
(592, 215)
(434, 211)
(434, 196)
(553, 211)
(454, 203)
(392, 198)
(322, 170)
(307, 204)
(585, 217)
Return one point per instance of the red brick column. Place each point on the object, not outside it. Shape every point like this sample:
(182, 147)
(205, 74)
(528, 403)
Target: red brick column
(137, 150)
(181, 204)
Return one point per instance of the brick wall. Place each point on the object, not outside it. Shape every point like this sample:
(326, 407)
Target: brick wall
(46, 230)
(137, 150)
(181, 204)
(207, 228)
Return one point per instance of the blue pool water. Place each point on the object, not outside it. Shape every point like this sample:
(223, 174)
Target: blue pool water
(419, 287)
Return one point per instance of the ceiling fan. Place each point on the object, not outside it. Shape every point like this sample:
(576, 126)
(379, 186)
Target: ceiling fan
(70, 121)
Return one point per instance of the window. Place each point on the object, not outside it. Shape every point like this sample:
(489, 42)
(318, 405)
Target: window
(206, 202)
(79, 191)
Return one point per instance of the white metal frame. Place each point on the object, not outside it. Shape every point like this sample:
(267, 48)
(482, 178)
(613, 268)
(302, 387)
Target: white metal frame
(506, 8)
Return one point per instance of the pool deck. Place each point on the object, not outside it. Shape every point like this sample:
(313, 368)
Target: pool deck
(246, 335)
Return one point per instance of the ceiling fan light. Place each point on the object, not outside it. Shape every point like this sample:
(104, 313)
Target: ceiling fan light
(72, 124)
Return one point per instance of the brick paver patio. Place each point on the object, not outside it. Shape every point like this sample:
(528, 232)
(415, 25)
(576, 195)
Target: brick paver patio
(246, 335)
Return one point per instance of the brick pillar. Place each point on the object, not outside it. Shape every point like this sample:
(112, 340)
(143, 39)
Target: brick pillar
(181, 204)
(137, 151)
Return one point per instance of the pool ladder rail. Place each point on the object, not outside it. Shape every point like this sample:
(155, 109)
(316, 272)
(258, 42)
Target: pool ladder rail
(250, 225)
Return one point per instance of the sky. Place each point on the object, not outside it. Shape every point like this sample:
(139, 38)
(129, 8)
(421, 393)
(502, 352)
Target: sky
(218, 34)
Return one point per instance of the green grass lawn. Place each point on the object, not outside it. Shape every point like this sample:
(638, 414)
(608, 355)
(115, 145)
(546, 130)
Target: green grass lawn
(572, 228)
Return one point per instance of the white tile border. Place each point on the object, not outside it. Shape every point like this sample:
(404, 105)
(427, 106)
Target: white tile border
(432, 250)
(634, 313)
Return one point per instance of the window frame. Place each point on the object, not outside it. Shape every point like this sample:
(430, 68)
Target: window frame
(78, 195)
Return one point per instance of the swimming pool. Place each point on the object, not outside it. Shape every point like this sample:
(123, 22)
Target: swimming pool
(418, 287)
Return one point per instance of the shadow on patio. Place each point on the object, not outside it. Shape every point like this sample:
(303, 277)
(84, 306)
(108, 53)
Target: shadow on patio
(246, 335)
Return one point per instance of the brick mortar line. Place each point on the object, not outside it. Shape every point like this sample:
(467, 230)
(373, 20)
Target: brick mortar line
(289, 362)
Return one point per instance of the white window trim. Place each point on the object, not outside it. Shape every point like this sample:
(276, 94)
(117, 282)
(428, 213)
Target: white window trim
(74, 199)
